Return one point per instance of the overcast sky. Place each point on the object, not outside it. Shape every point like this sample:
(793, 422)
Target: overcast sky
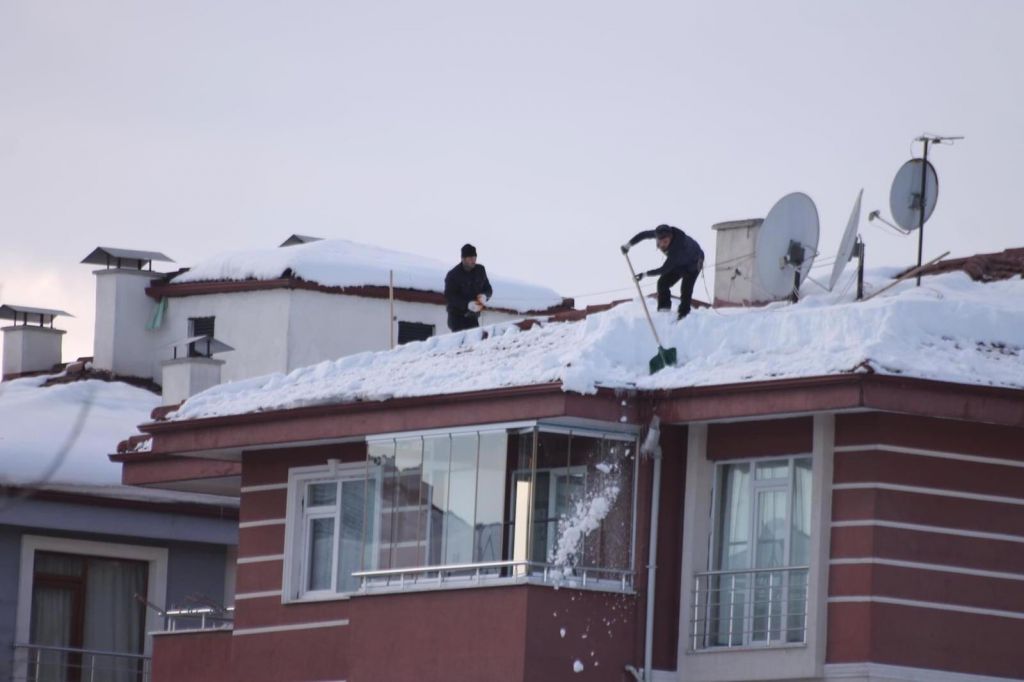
(546, 133)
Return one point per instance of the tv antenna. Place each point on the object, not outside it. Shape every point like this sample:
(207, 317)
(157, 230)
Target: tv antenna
(914, 193)
(849, 246)
(786, 246)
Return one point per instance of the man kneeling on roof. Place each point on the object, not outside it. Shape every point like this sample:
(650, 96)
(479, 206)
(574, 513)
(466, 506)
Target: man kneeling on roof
(466, 291)
(684, 259)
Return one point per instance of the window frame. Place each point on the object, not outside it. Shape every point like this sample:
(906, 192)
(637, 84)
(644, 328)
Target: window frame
(754, 489)
(296, 566)
(296, 562)
(156, 583)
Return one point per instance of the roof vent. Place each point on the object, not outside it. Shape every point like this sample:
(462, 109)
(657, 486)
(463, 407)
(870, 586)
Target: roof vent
(31, 344)
(127, 259)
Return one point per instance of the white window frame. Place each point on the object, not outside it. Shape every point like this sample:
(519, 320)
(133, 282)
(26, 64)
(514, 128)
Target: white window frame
(156, 559)
(297, 528)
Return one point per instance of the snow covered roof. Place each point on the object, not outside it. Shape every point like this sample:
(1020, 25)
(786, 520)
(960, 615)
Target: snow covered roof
(58, 437)
(341, 263)
(950, 329)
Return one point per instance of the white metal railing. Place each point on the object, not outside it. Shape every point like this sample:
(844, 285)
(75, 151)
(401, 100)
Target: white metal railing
(42, 663)
(198, 618)
(493, 573)
(762, 607)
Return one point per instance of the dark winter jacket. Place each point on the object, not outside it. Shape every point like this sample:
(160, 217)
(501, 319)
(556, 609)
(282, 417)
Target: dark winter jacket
(462, 286)
(684, 253)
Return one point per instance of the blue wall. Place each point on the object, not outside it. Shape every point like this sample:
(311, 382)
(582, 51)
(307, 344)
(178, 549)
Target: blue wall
(197, 549)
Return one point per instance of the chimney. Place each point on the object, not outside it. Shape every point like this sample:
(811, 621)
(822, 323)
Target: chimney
(192, 367)
(31, 343)
(735, 266)
(121, 342)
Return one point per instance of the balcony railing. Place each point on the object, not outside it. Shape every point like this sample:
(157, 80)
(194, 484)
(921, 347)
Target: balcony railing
(198, 618)
(764, 607)
(491, 573)
(41, 663)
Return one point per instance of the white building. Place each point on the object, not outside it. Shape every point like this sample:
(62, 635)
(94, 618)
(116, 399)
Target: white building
(277, 309)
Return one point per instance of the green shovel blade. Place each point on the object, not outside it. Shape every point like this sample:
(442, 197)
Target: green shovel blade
(666, 357)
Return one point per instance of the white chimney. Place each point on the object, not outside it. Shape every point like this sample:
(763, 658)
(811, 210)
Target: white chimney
(192, 368)
(735, 265)
(31, 343)
(121, 342)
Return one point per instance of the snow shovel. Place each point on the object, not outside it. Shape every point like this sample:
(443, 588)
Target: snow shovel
(666, 357)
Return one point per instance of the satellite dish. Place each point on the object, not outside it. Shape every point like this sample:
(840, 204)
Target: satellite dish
(846, 244)
(786, 246)
(905, 195)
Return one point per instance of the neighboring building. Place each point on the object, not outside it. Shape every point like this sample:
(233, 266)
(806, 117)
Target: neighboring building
(77, 546)
(279, 309)
(836, 490)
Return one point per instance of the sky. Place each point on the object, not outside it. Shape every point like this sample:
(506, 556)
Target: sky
(544, 133)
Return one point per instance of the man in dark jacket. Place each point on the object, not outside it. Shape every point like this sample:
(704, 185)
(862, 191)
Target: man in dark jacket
(684, 260)
(466, 290)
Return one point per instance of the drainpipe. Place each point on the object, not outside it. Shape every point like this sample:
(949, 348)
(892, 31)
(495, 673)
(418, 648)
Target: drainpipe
(391, 308)
(651, 447)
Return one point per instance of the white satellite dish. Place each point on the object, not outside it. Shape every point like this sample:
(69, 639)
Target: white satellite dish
(905, 196)
(786, 246)
(846, 244)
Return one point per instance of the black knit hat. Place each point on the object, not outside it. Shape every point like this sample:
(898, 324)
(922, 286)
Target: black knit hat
(662, 231)
(468, 250)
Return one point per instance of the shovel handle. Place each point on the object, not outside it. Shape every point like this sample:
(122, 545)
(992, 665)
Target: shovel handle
(643, 301)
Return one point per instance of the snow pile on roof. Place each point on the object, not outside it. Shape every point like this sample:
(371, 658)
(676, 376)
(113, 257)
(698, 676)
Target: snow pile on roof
(341, 263)
(949, 329)
(58, 437)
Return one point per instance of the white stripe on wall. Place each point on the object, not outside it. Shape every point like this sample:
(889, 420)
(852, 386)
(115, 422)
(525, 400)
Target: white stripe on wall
(257, 595)
(942, 568)
(932, 453)
(262, 488)
(262, 522)
(1017, 615)
(293, 626)
(259, 559)
(928, 529)
(941, 492)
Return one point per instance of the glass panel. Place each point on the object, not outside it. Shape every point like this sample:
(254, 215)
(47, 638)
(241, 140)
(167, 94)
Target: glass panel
(799, 550)
(52, 615)
(776, 469)
(772, 526)
(552, 460)
(490, 499)
(380, 469)
(52, 563)
(519, 492)
(610, 473)
(734, 511)
(321, 494)
(114, 619)
(321, 553)
(727, 597)
(461, 499)
(409, 537)
(350, 554)
(437, 452)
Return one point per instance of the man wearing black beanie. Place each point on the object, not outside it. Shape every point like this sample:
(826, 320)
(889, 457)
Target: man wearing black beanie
(466, 291)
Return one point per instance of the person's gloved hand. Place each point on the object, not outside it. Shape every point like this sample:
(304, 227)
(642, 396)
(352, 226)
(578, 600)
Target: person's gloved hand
(626, 247)
(482, 300)
(474, 307)
(639, 276)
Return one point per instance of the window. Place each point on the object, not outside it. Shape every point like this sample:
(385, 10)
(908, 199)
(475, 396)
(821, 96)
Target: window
(86, 603)
(519, 503)
(757, 590)
(414, 331)
(200, 326)
(80, 595)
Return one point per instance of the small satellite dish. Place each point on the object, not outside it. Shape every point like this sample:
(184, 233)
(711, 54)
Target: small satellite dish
(846, 244)
(905, 195)
(786, 246)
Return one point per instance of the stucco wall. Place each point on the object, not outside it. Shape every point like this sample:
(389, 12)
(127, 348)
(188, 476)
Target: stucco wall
(30, 349)
(121, 342)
